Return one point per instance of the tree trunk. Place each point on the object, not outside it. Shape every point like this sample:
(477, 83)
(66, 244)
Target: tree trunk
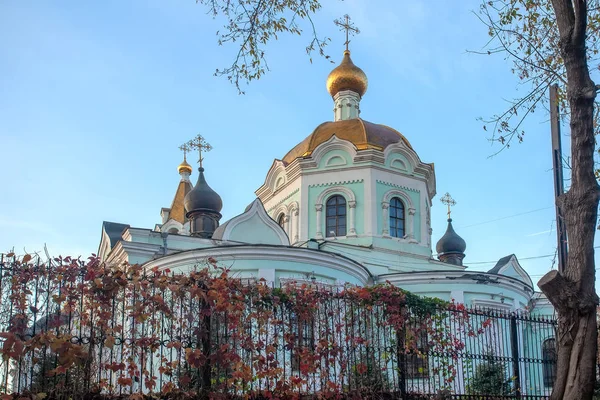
(573, 292)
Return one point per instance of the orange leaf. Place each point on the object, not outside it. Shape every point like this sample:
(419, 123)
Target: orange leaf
(109, 342)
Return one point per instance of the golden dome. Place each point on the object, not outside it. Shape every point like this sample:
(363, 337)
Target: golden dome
(184, 167)
(347, 76)
(361, 133)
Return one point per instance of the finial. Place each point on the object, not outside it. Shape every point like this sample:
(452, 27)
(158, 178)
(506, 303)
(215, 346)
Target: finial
(345, 25)
(201, 144)
(185, 148)
(184, 168)
(449, 201)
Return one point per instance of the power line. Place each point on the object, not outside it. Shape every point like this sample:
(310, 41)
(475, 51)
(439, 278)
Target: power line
(373, 259)
(520, 259)
(506, 217)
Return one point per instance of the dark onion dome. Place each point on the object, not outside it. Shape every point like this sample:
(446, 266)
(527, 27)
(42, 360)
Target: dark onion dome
(361, 133)
(202, 197)
(450, 243)
(347, 76)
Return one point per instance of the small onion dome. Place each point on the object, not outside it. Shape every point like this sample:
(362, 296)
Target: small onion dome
(184, 167)
(202, 198)
(450, 243)
(347, 76)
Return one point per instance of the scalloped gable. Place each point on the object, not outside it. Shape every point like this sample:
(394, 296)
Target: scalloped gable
(510, 266)
(253, 226)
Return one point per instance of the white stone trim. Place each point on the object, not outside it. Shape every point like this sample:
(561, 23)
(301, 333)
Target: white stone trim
(514, 262)
(456, 278)
(403, 168)
(104, 248)
(320, 258)
(495, 304)
(416, 167)
(350, 203)
(409, 214)
(276, 171)
(294, 209)
(346, 105)
(333, 144)
(332, 161)
(282, 209)
(256, 208)
(173, 224)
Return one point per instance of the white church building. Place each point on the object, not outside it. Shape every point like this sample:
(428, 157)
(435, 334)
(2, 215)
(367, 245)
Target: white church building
(349, 204)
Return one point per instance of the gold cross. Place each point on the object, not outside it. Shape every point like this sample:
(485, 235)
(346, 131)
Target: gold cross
(449, 201)
(185, 148)
(201, 144)
(345, 25)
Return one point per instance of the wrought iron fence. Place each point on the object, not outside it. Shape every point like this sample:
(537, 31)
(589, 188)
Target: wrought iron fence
(71, 327)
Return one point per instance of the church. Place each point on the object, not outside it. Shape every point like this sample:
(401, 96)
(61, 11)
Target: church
(349, 204)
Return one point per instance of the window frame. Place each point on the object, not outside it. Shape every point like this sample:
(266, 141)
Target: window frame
(336, 216)
(395, 219)
(281, 220)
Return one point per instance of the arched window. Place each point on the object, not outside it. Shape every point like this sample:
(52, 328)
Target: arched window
(549, 359)
(335, 216)
(397, 218)
(281, 220)
(173, 230)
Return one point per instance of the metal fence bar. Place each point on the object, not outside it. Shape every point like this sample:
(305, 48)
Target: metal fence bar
(332, 342)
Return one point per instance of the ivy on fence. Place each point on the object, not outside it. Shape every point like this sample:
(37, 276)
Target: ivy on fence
(72, 327)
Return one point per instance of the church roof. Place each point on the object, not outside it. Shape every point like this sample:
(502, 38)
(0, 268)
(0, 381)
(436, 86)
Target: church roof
(361, 133)
(451, 242)
(114, 231)
(501, 263)
(177, 207)
(202, 197)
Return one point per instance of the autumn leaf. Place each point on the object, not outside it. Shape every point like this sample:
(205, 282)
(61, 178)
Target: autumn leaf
(109, 342)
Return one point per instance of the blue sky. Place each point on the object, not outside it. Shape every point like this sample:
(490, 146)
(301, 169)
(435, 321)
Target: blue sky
(97, 97)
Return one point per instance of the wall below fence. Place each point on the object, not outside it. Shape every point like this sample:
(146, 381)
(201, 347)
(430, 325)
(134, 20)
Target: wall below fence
(73, 327)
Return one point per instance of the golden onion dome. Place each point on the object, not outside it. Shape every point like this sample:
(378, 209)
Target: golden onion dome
(362, 134)
(347, 76)
(184, 167)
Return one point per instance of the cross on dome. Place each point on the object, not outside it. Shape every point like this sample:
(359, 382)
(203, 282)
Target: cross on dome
(185, 148)
(350, 29)
(449, 201)
(184, 167)
(202, 145)
(346, 83)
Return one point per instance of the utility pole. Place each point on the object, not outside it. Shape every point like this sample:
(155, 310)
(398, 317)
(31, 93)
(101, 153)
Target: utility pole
(559, 186)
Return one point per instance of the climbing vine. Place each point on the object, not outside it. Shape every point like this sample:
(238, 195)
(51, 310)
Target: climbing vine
(71, 327)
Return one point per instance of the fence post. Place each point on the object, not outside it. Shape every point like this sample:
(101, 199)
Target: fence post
(205, 343)
(514, 342)
(401, 354)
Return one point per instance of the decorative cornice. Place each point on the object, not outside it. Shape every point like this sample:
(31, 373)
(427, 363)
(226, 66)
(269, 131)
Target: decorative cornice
(256, 209)
(398, 186)
(319, 258)
(403, 279)
(284, 199)
(336, 183)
